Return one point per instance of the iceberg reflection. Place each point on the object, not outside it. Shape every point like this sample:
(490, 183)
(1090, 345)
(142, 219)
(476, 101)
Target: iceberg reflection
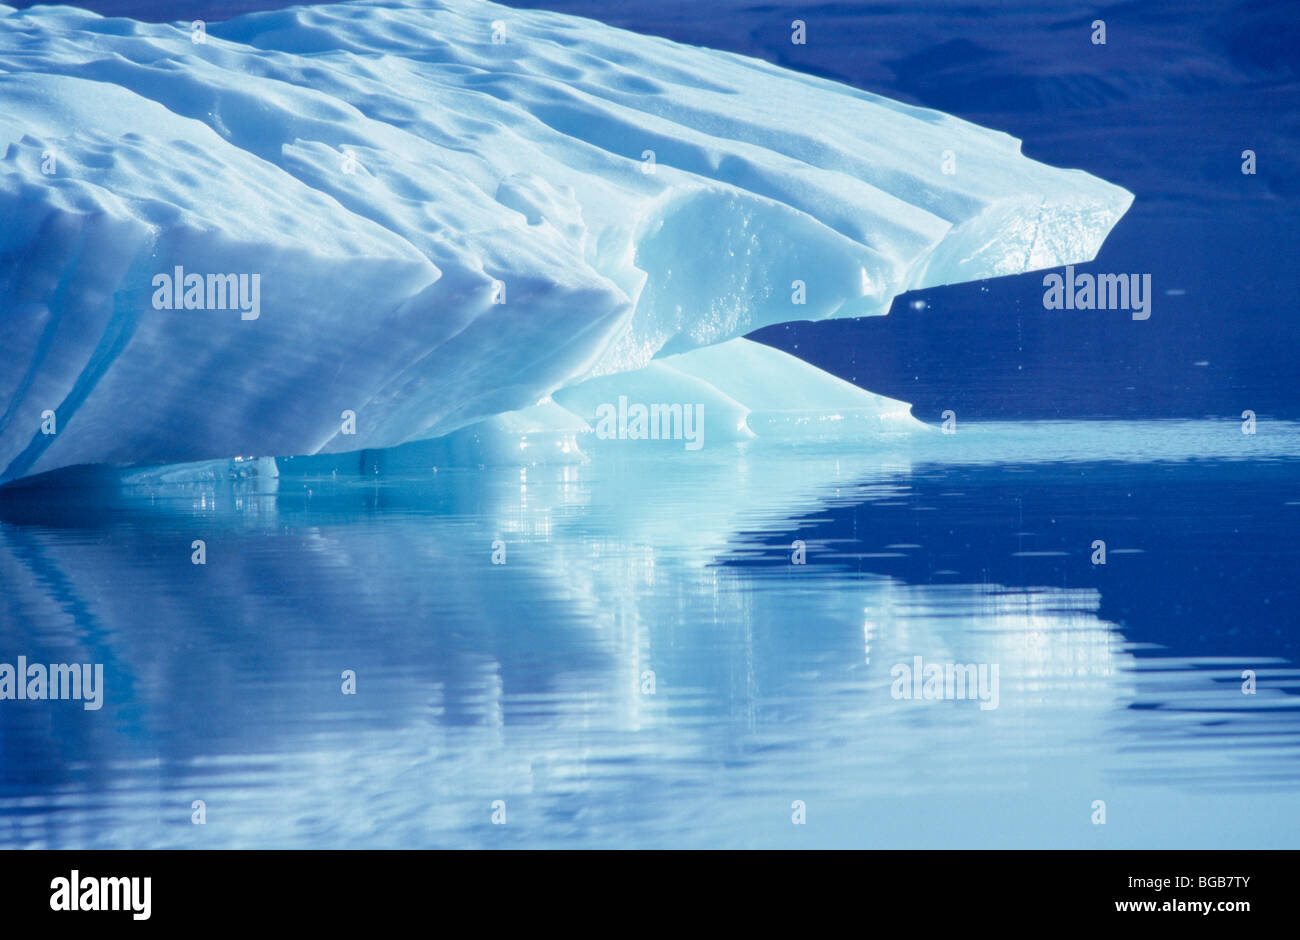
(647, 667)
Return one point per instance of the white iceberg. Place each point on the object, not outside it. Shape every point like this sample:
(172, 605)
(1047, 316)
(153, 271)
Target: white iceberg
(453, 210)
(740, 389)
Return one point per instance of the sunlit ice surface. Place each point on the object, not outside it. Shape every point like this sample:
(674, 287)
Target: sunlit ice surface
(648, 667)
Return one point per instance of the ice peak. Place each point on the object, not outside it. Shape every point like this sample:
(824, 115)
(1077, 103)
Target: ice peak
(454, 209)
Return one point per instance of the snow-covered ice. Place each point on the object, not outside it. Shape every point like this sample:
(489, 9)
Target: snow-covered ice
(456, 211)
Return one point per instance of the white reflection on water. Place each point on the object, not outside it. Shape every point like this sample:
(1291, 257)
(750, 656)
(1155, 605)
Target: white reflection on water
(523, 682)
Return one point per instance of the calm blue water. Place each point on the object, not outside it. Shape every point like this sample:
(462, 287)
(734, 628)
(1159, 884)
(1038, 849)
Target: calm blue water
(525, 682)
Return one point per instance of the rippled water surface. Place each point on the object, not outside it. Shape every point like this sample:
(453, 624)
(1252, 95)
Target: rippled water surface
(649, 668)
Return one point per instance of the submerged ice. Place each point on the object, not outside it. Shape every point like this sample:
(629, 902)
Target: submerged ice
(461, 217)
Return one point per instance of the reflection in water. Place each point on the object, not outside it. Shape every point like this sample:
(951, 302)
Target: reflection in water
(648, 667)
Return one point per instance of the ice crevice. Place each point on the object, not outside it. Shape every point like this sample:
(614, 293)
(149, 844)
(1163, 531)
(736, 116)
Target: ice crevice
(457, 211)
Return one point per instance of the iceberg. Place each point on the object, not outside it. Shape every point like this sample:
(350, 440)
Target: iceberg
(742, 389)
(455, 216)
